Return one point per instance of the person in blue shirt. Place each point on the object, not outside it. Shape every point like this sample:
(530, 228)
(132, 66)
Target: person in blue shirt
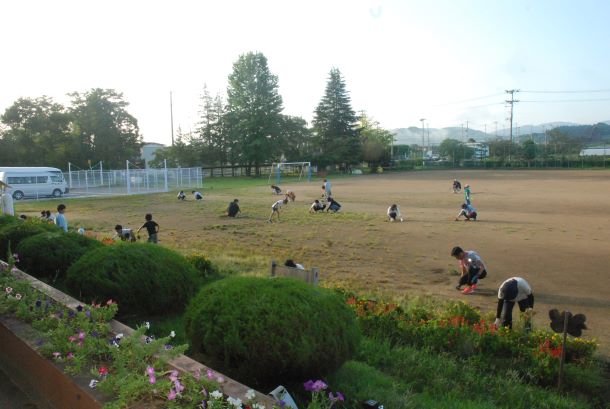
(60, 219)
(468, 211)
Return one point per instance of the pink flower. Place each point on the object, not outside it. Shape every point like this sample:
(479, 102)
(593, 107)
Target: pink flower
(8, 290)
(103, 371)
(81, 335)
(18, 296)
(171, 395)
(70, 355)
(56, 355)
(152, 379)
(209, 374)
(150, 371)
(179, 386)
(109, 302)
(173, 376)
(72, 338)
(197, 374)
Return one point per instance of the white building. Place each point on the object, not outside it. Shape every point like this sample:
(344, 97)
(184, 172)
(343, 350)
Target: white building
(481, 150)
(595, 152)
(148, 151)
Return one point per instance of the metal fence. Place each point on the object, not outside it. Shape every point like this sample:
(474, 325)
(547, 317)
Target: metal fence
(132, 180)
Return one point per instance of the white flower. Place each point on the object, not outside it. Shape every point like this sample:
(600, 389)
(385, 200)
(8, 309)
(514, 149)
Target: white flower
(216, 394)
(147, 325)
(258, 406)
(119, 336)
(235, 402)
(93, 383)
(250, 394)
(172, 334)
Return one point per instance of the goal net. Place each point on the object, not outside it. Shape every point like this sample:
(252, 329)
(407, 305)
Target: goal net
(294, 170)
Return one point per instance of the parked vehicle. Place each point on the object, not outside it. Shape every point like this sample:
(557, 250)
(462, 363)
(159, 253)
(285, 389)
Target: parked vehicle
(34, 181)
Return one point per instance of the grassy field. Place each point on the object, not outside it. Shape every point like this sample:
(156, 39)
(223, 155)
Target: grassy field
(547, 226)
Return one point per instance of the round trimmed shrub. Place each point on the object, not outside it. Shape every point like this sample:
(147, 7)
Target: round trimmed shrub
(141, 277)
(265, 331)
(49, 255)
(14, 233)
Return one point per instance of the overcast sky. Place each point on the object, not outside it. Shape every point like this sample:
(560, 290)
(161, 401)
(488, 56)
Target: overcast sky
(402, 60)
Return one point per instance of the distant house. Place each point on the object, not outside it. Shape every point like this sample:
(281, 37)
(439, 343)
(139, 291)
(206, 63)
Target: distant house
(481, 150)
(595, 152)
(148, 151)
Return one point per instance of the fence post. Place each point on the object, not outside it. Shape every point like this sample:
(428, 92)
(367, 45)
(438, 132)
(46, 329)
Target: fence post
(165, 173)
(128, 178)
(70, 174)
(101, 174)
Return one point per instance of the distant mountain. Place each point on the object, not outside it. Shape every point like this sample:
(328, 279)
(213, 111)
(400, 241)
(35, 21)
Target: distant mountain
(588, 133)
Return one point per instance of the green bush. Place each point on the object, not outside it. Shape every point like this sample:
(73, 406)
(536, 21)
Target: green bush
(13, 233)
(5, 220)
(141, 277)
(203, 265)
(49, 255)
(265, 331)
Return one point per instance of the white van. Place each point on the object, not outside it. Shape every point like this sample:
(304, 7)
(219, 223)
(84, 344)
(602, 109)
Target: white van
(34, 181)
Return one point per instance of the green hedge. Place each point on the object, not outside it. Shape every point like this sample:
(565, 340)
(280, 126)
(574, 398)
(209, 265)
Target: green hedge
(141, 277)
(266, 331)
(14, 233)
(5, 220)
(50, 254)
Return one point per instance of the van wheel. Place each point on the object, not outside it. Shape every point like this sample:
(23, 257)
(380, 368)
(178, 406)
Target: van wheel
(18, 195)
(57, 193)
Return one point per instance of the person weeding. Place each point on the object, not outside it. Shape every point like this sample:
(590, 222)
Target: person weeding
(514, 290)
(468, 211)
(472, 269)
(233, 210)
(151, 227)
(275, 209)
(124, 234)
(394, 213)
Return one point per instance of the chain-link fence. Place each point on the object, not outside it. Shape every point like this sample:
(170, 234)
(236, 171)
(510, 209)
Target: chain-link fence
(131, 180)
(504, 155)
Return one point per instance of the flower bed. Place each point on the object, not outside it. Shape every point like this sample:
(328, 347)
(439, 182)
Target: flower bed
(459, 329)
(125, 364)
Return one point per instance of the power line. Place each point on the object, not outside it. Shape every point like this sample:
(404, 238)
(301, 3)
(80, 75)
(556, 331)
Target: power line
(468, 100)
(568, 92)
(569, 100)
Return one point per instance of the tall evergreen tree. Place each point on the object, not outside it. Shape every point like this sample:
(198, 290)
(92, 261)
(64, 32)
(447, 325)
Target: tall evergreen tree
(335, 126)
(254, 108)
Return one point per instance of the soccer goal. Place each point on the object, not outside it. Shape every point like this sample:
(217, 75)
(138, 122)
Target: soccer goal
(297, 170)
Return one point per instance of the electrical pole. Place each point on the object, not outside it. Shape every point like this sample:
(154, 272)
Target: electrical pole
(423, 140)
(171, 115)
(496, 123)
(512, 104)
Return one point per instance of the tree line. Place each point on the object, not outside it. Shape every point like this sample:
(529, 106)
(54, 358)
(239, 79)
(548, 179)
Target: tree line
(248, 128)
(94, 127)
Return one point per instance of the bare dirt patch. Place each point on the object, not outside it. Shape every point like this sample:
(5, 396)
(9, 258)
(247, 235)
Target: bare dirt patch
(550, 227)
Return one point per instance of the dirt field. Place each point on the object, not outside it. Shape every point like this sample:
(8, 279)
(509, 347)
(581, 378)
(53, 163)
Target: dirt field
(550, 227)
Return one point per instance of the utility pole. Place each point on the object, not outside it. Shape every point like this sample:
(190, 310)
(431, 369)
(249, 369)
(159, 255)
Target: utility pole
(496, 123)
(423, 140)
(485, 132)
(466, 131)
(171, 115)
(512, 104)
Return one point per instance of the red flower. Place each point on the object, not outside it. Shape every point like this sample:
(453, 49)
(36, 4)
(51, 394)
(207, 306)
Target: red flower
(103, 370)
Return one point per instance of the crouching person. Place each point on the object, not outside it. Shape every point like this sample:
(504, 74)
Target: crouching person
(472, 269)
(514, 290)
